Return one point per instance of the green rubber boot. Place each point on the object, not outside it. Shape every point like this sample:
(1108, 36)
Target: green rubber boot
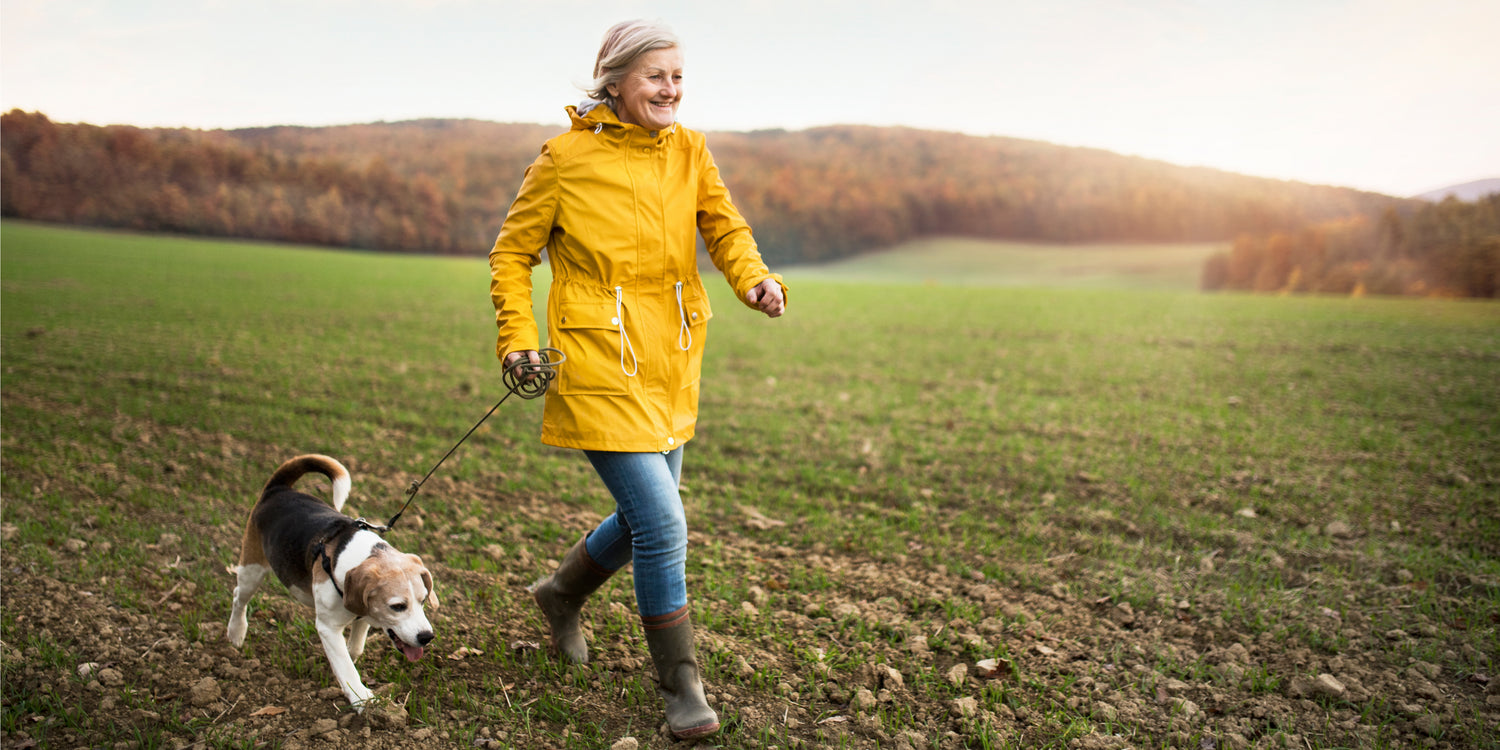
(561, 597)
(670, 638)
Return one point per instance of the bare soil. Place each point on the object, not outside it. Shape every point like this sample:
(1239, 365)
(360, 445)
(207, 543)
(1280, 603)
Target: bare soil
(1066, 658)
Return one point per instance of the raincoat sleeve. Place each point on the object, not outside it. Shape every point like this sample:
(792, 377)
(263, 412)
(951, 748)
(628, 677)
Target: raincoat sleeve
(727, 234)
(519, 248)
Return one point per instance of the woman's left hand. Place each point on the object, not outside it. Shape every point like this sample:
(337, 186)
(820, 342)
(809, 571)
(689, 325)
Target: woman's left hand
(767, 298)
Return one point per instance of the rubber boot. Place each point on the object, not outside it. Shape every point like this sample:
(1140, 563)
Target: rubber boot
(670, 638)
(561, 597)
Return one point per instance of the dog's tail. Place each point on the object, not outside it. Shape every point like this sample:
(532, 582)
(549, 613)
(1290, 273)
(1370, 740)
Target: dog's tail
(313, 463)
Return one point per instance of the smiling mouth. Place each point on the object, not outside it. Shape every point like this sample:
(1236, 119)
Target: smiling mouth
(412, 653)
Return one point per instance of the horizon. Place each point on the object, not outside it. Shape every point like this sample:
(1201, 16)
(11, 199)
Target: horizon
(1303, 92)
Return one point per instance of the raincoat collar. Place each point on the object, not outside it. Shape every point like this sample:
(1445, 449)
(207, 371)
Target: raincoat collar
(596, 116)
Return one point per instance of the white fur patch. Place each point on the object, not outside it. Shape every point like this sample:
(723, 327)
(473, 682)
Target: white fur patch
(359, 549)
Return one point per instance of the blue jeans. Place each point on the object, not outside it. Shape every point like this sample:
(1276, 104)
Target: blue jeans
(648, 526)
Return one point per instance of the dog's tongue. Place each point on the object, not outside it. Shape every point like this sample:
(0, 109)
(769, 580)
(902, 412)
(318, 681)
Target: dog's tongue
(411, 652)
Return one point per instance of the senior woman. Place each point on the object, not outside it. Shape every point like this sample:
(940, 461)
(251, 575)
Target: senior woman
(618, 202)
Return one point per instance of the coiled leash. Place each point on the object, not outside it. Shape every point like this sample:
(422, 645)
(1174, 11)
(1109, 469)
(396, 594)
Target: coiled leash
(525, 379)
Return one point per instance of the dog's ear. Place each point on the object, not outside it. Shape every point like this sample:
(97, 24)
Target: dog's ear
(357, 587)
(432, 596)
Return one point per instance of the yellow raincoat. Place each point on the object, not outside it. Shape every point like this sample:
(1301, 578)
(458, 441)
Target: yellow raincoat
(618, 208)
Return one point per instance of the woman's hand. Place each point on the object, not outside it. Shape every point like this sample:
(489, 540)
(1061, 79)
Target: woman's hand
(514, 359)
(767, 298)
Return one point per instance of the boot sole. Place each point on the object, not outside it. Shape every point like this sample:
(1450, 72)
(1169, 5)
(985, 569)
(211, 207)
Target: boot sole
(696, 732)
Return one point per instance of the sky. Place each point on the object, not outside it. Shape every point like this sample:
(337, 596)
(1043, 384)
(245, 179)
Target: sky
(1393, 96)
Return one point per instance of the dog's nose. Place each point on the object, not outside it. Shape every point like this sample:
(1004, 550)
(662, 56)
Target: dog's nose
(424, 637)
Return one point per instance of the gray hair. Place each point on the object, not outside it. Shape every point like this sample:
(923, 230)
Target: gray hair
(622, 45)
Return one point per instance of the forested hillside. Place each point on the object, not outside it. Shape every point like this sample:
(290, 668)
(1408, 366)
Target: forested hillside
(1449, 249)
(443, 186)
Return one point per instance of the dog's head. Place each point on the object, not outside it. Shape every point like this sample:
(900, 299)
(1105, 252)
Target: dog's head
(389, 588)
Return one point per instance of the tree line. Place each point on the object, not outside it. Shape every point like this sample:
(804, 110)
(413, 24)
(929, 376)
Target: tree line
(443, 186)
(1449, 249)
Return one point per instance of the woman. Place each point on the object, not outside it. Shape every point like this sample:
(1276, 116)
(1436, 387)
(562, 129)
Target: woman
(618, 202)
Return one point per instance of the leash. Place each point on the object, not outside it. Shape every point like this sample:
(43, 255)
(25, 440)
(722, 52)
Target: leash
(523, 378)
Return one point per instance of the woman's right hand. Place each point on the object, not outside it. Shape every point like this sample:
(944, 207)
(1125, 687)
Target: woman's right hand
(514, 360)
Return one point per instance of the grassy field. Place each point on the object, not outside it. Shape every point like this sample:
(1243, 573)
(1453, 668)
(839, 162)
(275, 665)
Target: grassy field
(988, 263)
(923, 515)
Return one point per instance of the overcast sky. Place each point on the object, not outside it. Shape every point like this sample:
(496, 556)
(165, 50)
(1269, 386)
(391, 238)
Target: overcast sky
(1395, 96)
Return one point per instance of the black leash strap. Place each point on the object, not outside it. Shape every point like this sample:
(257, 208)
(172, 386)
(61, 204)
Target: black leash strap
(523, 378)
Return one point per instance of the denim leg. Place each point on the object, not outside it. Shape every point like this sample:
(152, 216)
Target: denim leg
(648, 526)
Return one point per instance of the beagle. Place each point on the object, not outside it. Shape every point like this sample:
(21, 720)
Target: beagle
(335, 564)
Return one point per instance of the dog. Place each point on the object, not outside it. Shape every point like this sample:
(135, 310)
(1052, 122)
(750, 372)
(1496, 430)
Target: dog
(335, 564)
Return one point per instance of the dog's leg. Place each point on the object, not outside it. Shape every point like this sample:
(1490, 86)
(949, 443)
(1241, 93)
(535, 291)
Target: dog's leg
(332, 635)
(247, 582)
(357, 632)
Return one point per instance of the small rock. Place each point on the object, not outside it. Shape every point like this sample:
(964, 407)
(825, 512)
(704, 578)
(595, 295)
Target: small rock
(1338, 529)
(863, 700)
(1102, 711)
(625, 743)
(889, 676)
(1187, 708)
(386, 716)
(75, 545)
(1328, 686)
(206, 691)
(749, 609)
(965, 707)
(742, 667)
(86, 669)
(1426, 669)
(111, 677)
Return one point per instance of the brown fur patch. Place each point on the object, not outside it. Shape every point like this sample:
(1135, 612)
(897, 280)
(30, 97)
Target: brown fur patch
(252, 552)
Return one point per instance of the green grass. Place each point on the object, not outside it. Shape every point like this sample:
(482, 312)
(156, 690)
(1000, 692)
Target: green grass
(1177, 452)
(956, 261)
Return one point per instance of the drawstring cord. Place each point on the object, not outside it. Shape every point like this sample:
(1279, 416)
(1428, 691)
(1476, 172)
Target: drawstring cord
(624, 337)
(682, 316)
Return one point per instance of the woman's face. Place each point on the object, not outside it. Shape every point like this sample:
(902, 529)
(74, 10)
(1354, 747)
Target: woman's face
(649, 93)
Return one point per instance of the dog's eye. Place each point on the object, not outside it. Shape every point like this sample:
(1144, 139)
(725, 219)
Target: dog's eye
(398, 607)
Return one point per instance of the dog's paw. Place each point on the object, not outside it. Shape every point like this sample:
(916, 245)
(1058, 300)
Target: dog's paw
(362, 699)
(235, 635)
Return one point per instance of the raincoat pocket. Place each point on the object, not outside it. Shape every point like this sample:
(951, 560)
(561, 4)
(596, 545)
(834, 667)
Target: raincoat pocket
(692, 336)
(589, 334)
